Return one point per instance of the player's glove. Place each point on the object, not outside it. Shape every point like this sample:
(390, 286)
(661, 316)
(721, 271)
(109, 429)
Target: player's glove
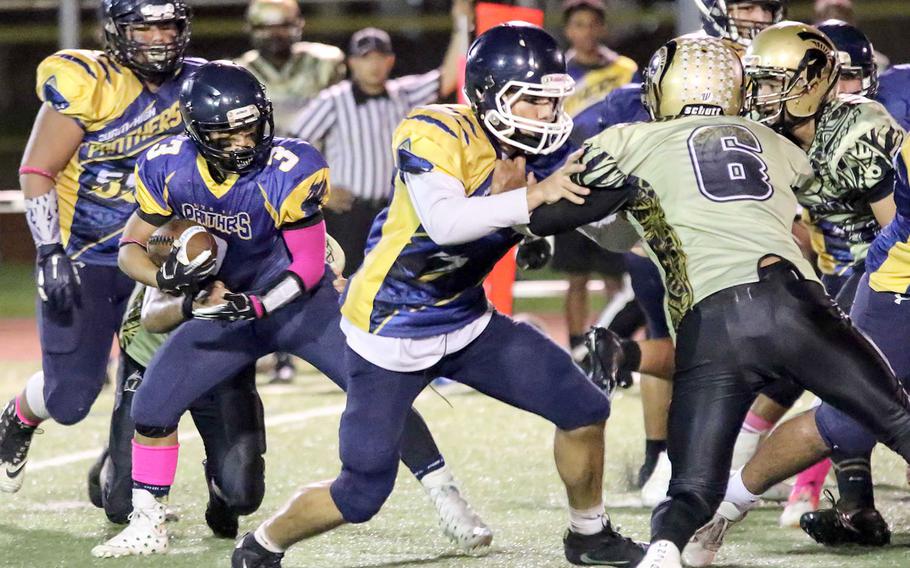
(533, 253)
(178, 276)
(236, 307)
(57, 277)
(605, 360)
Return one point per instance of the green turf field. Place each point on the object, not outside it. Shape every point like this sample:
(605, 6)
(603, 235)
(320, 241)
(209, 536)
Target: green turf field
(502, 456)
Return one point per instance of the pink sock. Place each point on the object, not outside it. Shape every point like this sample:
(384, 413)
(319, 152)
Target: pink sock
(756, 424)
(154, 466)
(21, 416)
(811, 480)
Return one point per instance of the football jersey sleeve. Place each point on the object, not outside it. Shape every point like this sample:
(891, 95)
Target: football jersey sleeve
(864, 161)
(68, 81)
(151, 188)
(429, 139)
(302, 178)
(600, 161)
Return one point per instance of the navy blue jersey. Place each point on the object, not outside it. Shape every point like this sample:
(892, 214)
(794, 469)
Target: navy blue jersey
(894, 93)
(247, 210)
(620, 106)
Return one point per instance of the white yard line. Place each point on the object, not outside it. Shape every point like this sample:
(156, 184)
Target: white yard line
(277, 420)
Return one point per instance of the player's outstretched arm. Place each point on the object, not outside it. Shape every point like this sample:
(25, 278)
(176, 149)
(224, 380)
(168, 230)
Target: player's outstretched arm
(162, 312)
(462, 22)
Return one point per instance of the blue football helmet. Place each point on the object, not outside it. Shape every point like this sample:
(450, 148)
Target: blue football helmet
(716, 19)
(155, 62)
(223, 98)
(511, 61)
(855, 54)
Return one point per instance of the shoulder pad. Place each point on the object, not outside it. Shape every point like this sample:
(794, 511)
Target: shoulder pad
(69, 79)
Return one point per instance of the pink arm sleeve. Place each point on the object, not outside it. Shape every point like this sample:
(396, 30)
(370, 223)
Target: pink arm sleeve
(307, 248)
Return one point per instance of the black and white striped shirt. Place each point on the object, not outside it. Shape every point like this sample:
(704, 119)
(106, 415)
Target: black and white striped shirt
(356, 130)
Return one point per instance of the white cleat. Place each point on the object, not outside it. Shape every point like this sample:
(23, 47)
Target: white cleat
(795, 509)
(146, 534)
(661, 554)
(704, 544)
(745, 447)
(655, 489)
(457, 519)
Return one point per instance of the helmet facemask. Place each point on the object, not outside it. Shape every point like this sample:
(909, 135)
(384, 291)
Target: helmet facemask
(530, 135)
(866, 75)
(740, 30)
(215, 149)
(155, 62)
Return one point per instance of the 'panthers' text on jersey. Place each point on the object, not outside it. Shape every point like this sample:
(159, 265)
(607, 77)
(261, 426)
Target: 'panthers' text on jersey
(121, 118)
(713, 196)
(409, 286)
(592, 84)
(855, 142)
(888, 260)
(247, 211)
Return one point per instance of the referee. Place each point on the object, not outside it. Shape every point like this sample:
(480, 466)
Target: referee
(353, 121)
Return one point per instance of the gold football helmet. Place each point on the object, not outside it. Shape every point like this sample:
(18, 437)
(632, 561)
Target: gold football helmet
(693, 76)
(791, 71)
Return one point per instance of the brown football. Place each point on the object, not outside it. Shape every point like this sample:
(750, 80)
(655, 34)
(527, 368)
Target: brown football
(162, 240)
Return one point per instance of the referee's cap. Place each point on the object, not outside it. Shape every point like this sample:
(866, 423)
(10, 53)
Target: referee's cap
(370, 39)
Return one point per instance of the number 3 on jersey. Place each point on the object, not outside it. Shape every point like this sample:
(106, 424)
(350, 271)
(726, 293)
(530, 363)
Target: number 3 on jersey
(171, 148)
(728, 164)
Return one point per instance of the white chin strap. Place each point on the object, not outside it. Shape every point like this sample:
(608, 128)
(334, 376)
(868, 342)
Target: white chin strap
(550, 135)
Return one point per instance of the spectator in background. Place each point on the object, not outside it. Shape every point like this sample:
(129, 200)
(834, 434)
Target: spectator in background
(597, 71)
(354, 122)
(834, 10)
(292, 71)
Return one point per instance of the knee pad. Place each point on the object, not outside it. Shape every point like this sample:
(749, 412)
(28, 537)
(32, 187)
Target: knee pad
(67, 411)
(241, 478)
(842, 433)
(359, 496)
(155, 431)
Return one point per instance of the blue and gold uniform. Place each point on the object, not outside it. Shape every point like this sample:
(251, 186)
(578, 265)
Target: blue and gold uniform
(121, 118)
(409, 286)
(592, 84)
(245, 210)
(888, 259)
(894, 93)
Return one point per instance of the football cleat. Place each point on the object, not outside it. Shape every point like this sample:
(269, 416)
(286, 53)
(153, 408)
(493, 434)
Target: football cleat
(655, 488)
(704, 544)
(457, 519)
(661, 554)
(834, 527)
(94, 480)
(15, 439)
(284, 371)
(250, 554)
(146, 534)
(606, 359)
(606, 548)
(219, 516)
(798, 505)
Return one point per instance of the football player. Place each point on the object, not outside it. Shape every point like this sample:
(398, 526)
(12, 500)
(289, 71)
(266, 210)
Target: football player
(850, 141)
(262, 195)
(416, 310)
(739, 20)
(712, 195)
(101, 111)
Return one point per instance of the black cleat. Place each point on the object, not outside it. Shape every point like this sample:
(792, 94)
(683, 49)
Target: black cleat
(250, 554)
(284, 371)
(606, 548)
(218, 515)
(834, 527)
(15, 439)
(94, 480)
(606, 359)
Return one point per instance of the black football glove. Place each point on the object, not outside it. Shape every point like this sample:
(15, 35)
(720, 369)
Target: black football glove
(57, 277)
(236, 307)
(533, 253)
(177, 276)
(605, 360)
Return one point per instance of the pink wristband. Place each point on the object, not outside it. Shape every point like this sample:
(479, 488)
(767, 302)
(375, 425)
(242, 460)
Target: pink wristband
(37, 171)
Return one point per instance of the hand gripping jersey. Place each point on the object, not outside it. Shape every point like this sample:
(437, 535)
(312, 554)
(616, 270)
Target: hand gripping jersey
(593, 84)
(888, 260)
(247, 211)
(311, 68)
(409, 286)
(713, 195)
(894, 93)
(121, 119)
(855, 142)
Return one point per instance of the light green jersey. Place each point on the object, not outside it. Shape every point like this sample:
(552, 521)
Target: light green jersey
(136, 341)
(311, 68)
(713, 195)
(854, 145)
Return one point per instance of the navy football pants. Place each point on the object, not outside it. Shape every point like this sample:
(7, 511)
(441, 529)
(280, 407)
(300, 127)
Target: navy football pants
(202, 354)
(510, 361)
(76, 345)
